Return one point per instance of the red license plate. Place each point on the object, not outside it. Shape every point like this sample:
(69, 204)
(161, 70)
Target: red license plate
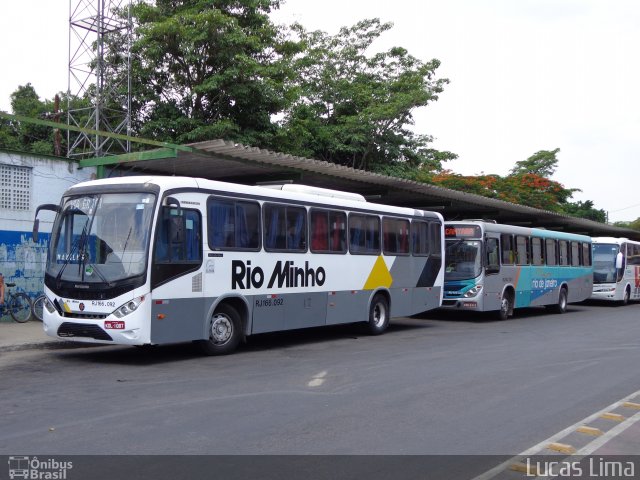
(111, 325)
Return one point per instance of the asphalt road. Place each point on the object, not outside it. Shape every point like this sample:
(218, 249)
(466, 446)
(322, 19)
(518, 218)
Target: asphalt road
(439, 384)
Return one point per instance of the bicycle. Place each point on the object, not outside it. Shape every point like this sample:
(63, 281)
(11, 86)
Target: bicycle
(18, 305)
(38, 306)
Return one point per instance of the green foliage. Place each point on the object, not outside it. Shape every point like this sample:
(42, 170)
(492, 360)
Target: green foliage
(354, 108)
(634, 225)
(527, 184)
(208, 69)
(585, 210)
(542, 163)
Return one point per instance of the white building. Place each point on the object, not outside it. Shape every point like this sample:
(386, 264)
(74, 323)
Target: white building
(26, 181)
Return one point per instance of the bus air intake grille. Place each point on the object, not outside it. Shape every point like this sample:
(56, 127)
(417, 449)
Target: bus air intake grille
(87, 316)
(83, 330)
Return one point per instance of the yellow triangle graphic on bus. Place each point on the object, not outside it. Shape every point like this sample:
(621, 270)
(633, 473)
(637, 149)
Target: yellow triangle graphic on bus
(379, 276)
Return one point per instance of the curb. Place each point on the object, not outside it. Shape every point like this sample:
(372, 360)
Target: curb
(53, 345)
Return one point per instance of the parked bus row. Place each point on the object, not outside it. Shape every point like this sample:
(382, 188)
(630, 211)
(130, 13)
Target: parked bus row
(155, 260)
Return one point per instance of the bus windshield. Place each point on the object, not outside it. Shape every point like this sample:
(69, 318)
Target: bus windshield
(101, 238)
(604, 262)
(463, 259)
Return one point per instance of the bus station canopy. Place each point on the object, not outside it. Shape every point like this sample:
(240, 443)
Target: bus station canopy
(232, 162)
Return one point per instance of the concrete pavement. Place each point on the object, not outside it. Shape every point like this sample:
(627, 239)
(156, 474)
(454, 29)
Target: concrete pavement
(26, 336)
(626, 412)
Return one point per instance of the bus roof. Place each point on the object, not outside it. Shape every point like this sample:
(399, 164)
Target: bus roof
(518, 230)
(300, 193)
(614, 240)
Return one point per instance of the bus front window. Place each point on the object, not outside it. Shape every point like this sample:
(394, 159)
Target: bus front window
(463, 259)
(101, 238)
(604, 262)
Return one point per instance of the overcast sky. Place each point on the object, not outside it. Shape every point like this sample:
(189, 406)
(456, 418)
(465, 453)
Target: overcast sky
(526, 75)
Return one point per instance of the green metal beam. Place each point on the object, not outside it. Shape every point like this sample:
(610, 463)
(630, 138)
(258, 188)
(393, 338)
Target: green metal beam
(48, 123)
(129, 157)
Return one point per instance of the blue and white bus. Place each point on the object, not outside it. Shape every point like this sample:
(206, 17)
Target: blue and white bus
(493, 267)
(616, 269)
(155, 260)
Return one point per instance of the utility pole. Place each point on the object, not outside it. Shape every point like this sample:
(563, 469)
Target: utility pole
(99, 87)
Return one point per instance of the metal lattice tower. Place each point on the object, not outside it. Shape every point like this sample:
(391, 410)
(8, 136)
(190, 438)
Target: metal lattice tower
(100, 33)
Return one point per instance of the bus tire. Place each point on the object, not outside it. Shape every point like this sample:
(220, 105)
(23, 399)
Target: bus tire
(627, 295)
(378, 315)
(225, 332)
(505, 306)
(561, 306)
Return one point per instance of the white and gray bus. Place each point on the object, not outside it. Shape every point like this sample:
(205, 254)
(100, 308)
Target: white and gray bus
(616, 269)
(494, 267)
(156, 260)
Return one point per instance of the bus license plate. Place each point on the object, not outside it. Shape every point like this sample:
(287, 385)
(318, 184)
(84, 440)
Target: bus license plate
(114, 325)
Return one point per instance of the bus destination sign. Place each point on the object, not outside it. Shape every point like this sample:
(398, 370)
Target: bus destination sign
(462, 231)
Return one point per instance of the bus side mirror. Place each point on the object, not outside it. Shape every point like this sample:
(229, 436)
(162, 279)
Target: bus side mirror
(36, 222)
(34, 233)
(620, 260)
(176, 229)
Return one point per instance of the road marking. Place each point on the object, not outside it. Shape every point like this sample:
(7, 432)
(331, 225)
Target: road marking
(578, 426)
(562, 448)
(318, 379)
(612, 416)
(596, 432)
(635, 406)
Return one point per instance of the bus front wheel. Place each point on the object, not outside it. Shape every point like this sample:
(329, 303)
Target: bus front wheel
(378, 315)
(625, 298)
(225, 332)
(505, 306)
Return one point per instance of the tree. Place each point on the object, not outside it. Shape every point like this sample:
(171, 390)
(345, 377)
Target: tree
(542, 163)
(208, 69)
(634, 225)
(355, 109)
(585, 210)
(529, 184)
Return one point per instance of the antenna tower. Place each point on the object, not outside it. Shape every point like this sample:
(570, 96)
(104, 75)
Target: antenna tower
(99, 88)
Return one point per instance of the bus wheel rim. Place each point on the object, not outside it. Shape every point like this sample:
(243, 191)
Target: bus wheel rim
(504, 305)
(379, 315)
(221, 329)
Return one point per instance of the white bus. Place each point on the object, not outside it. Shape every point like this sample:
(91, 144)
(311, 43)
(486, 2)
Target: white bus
(494, 267)
(156, 260)
(616, 269)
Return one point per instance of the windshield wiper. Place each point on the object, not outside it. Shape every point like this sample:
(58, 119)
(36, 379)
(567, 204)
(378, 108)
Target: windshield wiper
(83, 238)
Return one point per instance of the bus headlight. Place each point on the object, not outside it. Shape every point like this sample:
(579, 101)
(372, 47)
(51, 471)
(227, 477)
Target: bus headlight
(473, 291)
(127, 308)
(49, 306)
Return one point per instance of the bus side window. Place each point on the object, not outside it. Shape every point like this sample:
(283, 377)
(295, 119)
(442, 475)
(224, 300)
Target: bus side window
(537, 252)
(493, 260)
(364, 234)
(522, 250)
(575, 254)
(551, 253)
(586, 254)
(395, 233)
(233, 224)
(285, 228)
(420, 237)
(178, 236)
(563, 248)
(508, 254)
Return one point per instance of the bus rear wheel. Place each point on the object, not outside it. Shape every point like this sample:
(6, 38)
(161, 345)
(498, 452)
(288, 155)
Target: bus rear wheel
(561, 306)
(225, 332)
(378, 315)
